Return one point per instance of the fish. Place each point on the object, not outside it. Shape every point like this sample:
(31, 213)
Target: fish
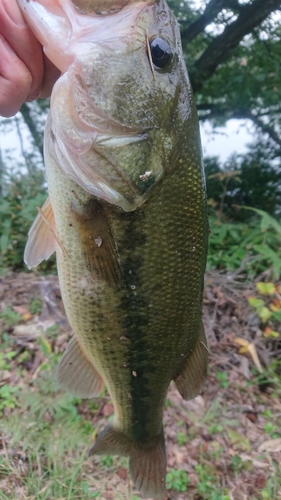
(126, 216)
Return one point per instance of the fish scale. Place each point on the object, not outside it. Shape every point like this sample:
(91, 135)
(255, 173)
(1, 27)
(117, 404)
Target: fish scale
(126, 216)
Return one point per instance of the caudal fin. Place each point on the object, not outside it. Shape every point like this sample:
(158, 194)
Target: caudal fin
(148, 468)
(147, 460)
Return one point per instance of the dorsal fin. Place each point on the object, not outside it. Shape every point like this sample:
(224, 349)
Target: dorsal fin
(41, 243)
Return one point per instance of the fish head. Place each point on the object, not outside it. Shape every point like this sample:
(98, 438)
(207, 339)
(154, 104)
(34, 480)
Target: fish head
(123, 108)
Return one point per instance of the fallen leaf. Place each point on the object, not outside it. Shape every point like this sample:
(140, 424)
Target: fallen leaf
(251, 416)
(266, 288)
(4, 376)
(27, 331)
(271, 446)
(21, 310)
(238, 441)
(260, 481)
(123, 473)
(268, 332)
(27, 316)
(107, 410)
(247, 346)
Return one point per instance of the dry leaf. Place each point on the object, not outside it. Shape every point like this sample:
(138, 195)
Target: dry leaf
(247, 346)
(22, 310)
(271, 446)
(238, 441)
(108, 409)
(27, 331)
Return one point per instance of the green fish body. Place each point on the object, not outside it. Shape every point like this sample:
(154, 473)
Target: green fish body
(126, 216)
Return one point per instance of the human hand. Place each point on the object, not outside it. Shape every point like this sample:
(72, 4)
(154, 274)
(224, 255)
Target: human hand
(25, 72)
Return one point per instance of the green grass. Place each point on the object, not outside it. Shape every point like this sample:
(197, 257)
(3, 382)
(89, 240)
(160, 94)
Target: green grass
(47, 433)
(177, 480)
(47, 436)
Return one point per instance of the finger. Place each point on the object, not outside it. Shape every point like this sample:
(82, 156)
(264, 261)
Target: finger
(15, 80)
(23, 42)
(51, 74)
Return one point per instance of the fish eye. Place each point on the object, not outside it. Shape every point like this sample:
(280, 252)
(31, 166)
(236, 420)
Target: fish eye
(161, 53)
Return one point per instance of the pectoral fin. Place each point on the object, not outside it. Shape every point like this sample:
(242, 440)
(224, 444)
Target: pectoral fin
(98, 243)
(76, 373)
(190, 381)
(41, 243)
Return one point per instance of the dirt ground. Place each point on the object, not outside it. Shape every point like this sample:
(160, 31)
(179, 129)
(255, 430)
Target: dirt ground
(229, 436)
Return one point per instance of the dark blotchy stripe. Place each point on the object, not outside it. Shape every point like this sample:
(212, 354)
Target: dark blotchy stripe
(135, 306)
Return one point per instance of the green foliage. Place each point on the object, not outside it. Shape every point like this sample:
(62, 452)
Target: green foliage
(272, 430)
(182, 439)
(9, 317)
(5, 359)
(107, 461)
(251, 180)
(267, 305)
(177, 480)
(222, 378)
(20, 196)
(7, 397)
(237, 464)
(206, 485)
(246, 83)
(271, 377)
(252, 247)
(35, 306)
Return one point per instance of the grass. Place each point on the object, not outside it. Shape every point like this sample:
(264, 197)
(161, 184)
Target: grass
(48, 441)
(45, 434)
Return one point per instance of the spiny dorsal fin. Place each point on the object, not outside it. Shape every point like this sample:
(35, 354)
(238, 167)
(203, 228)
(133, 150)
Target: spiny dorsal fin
(41, 243)
(147, 460)
(189, 383)
(76, 373)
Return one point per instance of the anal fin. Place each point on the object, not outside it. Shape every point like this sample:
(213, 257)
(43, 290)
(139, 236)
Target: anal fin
(191, 380)
(41, 243)
(147, 460)
(111, 441)
(76, 373)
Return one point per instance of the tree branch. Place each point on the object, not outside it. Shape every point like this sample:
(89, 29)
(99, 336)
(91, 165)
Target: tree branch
(265, 128)
(37, 136)
(219, 49)
(210, 13)
(243, 114)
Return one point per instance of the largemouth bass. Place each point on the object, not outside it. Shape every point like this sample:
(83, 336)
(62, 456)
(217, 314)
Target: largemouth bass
(126, 216)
